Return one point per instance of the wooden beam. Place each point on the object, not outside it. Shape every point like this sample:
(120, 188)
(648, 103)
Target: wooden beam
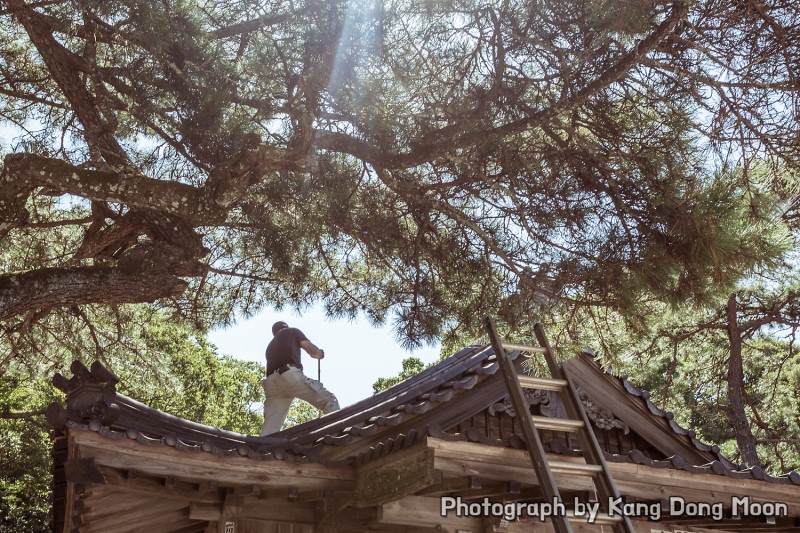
(163, 461)
(446, 486)
(292, 494)
(278, 510)
(208, 486)
(265, 526)
(318, 495)
(460, 486)
(123, 514)
(196, 527)
(73, 494)
(495, 489)
(205, 511)
(501, 464)
(421, 511)
(661, 483)
(281, 511)
(394, 476)
(330, 508)
(172, 521)
(248, 490)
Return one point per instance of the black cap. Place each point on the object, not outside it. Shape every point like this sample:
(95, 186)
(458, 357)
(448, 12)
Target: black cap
(277, 326)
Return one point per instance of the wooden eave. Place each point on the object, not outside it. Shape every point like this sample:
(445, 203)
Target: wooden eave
(131, 487)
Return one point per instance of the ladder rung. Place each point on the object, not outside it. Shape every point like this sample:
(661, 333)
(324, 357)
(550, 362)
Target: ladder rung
(602, 519)
(556, 424)
(581, 469)
(510, 346)
(531, 382)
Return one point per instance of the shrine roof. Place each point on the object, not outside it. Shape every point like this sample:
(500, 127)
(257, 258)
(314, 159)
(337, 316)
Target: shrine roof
(430, 404)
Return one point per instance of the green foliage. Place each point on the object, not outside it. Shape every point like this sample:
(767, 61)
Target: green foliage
(24, 454)
(623, 16)
(689, 378)
(411, 367)
(421, 162)
(300, 412)
(682, 355)
(195, 383)
(681, 351)
(609, 167)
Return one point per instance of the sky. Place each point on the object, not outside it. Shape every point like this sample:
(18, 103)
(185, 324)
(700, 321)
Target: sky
(356, 353)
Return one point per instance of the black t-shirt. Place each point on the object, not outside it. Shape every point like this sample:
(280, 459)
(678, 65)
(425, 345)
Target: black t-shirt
(284, 348)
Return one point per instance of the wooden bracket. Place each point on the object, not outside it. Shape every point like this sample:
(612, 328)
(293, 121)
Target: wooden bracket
(394, 476)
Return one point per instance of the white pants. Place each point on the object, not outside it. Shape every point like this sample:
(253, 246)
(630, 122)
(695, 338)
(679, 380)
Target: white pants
(281, 389)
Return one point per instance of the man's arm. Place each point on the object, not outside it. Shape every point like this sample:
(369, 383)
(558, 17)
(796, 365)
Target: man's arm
(312, 350)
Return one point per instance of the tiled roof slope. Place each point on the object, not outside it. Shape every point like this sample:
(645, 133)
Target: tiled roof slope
(94, 405)
(417, 394)
(439, 397)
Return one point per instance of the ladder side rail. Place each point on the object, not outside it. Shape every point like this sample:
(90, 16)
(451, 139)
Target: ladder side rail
(552, 364)
(587, 440)
(592, 452)
(535, 449)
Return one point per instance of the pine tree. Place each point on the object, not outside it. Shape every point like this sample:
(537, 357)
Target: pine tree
(419, 161)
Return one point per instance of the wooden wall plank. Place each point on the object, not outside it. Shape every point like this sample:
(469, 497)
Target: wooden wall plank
(181, 491)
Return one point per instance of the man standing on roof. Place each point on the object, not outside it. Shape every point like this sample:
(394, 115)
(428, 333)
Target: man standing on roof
(285, 380)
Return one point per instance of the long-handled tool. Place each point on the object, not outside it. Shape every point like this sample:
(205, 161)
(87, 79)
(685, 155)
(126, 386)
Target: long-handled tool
(319, 378)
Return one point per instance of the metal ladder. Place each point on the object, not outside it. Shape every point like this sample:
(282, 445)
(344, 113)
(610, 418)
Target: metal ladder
(595, 466)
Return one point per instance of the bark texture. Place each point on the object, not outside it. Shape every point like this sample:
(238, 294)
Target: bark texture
(736, 401)
(58, 287)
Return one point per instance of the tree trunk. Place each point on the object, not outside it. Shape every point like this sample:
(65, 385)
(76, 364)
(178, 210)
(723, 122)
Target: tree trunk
(738, 418)
(60, 287)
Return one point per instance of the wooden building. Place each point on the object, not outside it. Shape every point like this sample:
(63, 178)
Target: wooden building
(446, 437)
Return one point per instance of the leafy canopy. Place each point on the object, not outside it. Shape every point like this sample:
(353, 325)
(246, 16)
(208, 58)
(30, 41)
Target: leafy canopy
(419, 161)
